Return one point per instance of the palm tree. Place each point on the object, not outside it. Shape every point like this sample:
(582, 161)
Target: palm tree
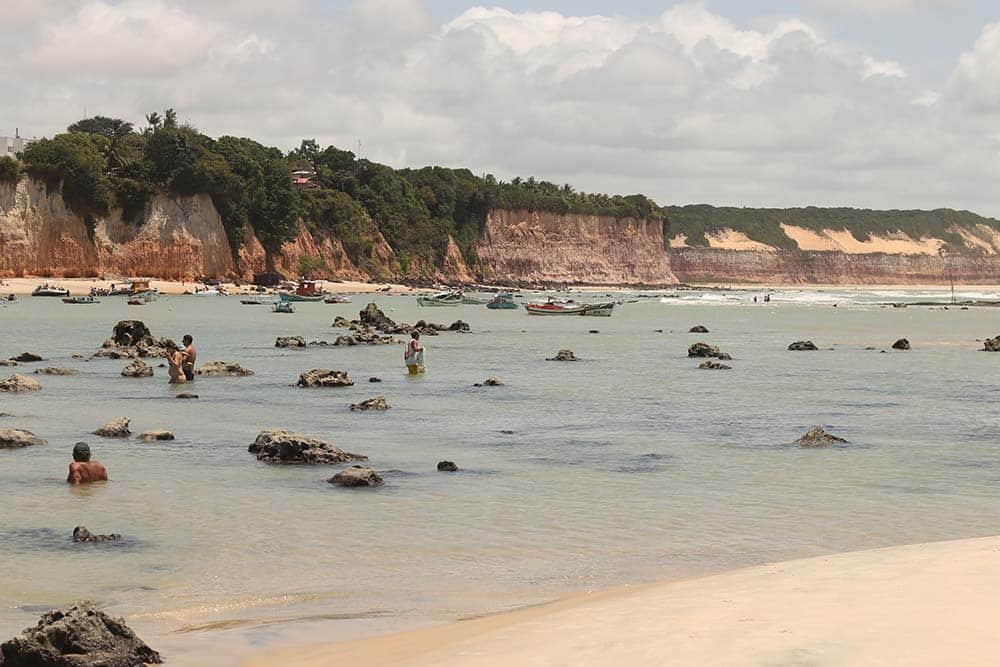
(154, 120)
(170, 118)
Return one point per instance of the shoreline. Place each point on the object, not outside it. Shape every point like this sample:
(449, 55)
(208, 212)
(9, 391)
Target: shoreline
(927, 603)
(82, 286)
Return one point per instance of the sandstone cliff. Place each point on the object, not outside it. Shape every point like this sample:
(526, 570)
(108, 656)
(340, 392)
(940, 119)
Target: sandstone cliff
(325, 252)
(530, 247)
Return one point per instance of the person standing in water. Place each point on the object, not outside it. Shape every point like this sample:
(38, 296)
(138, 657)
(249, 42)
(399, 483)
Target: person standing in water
(175, 362)
(413, 355)
(82, 470)
(190, 357)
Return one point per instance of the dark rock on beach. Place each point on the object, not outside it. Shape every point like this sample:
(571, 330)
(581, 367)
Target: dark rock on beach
(80, 635)
(52, 370)
(116, 428)
(223, 369)
(15, 438)
(323, 377)
(447, 466)
(563, 355)
(901, 344)
(81, 534)
(698, 328)
(137, 369)
(281, 446)
(27, 358)
(356, 476)
(817, 437)
(706, 350)
(289, 341)
(377, 403)
(18, 383)
(802, 346)
(708, 364)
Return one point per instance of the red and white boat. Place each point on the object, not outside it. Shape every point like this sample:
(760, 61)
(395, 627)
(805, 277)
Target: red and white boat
(554, 307)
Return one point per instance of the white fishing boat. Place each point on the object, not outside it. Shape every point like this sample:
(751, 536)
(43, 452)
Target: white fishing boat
(441, 299)
(50, 290)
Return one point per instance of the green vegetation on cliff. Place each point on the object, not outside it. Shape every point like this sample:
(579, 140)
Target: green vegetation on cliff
(764, 224)
(10, 170)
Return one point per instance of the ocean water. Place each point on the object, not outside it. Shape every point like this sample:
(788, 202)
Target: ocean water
(630, 465)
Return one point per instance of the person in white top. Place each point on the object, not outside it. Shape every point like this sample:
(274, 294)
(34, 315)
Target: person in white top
(413, 356)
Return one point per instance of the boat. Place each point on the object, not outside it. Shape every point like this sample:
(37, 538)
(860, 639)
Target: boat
(308, 290)
(473, 300)
(337, 298)
(210, 291)
(553, 307)
(253, 302)
(81, 300)
(501, 302)
(136, 301)
(283, 307)
(50, 290)
(137, 287)
(441, 299)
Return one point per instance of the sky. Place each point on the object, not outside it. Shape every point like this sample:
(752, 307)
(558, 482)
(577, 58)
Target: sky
(868, 103)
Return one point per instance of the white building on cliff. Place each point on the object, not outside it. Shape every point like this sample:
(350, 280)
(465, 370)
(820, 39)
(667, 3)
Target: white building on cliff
(11, 146)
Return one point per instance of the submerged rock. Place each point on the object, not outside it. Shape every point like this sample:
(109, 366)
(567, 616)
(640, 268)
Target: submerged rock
(563, 355)
(223, 369)
(281, 446)
(323, 377)
(374, 379)
(137, 369)
(18, 383)
(27, 358)
(156, 434)
(116, 428)
(356, 476)
(377, 403)
(186, 395)
(81, 534)
(447, 466)
(15, 438)
(8, 362)
(901, 344)
(490, 382)
(289, 341)
(79, 635)
(803, 346)
(341, 322)
(459, 325)
(706, 350)
(116, 353)
(817, 437)
(698, 328)
(52, 370)
(708, 364)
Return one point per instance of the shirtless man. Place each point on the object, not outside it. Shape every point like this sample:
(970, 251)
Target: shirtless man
(190, 357)
(175, 361)
(83, 470)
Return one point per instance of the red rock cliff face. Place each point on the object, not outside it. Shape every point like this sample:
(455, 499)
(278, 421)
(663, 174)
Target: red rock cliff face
(530, 247)
(178, 238)
(716, 265)
(328, 251)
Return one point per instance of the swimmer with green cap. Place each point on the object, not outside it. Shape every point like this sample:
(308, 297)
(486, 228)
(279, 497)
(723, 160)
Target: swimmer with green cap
(83, 470)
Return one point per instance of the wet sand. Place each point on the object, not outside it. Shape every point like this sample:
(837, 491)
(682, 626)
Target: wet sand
(923, 604)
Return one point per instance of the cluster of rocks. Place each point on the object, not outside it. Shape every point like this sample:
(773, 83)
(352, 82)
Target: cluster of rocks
(324, 377)
(708, 351)
(817, 437)
(18, 383)
(77, 635)
(289, 341)
(281, 446)
(372, 317)
(52, 370)
(563, 355)
(710, 365)
(376, 403)
(131, 339)
(81, 534)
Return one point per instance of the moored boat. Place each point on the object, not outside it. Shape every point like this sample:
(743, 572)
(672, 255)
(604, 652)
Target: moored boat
(50, 290)
(308, 290)
(283, 307)
(501, 302)
(553, 307)
(337, 298)
(441, 299)
(211, 291)
(81, 300)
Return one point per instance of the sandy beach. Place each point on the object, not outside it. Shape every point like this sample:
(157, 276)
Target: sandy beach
(82, 286)
(923, 604)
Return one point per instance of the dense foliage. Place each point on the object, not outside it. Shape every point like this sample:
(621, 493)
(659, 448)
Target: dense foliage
(764, 225)
(10, 170)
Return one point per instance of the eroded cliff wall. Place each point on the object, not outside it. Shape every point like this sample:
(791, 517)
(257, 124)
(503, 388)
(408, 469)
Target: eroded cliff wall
(531, 247)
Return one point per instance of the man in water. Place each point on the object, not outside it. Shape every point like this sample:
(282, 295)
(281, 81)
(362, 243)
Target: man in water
(413, 355)
(190, 357)
(82, 470)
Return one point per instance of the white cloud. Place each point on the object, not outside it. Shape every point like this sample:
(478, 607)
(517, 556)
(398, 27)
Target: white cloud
(685, 106)
(883, 6)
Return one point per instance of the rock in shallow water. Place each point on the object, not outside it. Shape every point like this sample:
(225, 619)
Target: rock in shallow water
(18, 383)
(281, 446)
(186, 395)
(992, 344)
(27, 358)
(116, 428)
(817, 437)
(137, 369)
(447, 466)
(14, 438)
(803, 346)
(901, 344)
(156, 434)
(289, 341)
(706, 350)
(563, 355)
(223, 369)
(52, 370)
(77, 636)
(698, 328)
(323, 377)
(81, 534)
(377, 403)
(356, 476)
(714, 366)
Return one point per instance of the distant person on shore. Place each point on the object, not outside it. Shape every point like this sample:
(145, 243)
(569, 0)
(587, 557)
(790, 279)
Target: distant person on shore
(82, 470)
(190, 357)
(175, 363)
(413, 355)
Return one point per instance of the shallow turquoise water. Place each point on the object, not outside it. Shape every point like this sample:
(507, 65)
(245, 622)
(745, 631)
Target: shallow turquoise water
(628, 466)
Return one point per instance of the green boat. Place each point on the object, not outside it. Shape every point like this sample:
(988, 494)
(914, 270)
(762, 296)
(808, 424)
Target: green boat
(502, 302)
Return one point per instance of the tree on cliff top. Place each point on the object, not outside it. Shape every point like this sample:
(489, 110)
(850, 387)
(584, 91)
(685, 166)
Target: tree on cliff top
(10, 170)
(75, 161)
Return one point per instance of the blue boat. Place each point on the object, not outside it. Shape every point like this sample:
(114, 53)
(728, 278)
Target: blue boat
(502, 302)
